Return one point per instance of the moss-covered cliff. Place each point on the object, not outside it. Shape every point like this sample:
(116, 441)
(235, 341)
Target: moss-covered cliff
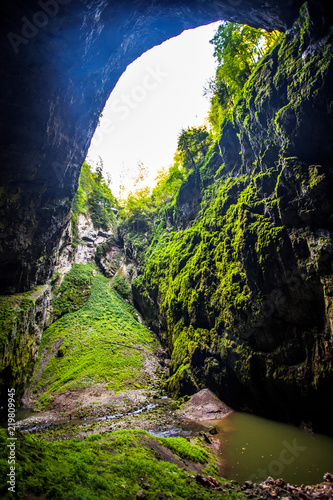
(238, 275)
(22, 320)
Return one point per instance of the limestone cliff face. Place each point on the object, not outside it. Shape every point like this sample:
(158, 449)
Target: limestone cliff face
(88, 240)
(61, 62)
(243, 287)
(23, 318)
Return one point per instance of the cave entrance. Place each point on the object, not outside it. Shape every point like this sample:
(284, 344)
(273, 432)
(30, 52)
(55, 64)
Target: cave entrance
(62, 60)
(159, 95)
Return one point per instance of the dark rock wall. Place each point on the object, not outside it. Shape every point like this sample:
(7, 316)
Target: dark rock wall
(243, 288)
(60, 61)
(23, 318)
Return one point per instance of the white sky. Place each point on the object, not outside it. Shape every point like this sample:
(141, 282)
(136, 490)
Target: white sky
(159, 94)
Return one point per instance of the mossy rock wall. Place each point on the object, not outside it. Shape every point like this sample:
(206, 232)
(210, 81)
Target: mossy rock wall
(22, 320)
(243, 288)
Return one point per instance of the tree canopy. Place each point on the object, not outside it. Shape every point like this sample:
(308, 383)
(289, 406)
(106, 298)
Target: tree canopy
(237, 48)
(193, 144)
(93, 196)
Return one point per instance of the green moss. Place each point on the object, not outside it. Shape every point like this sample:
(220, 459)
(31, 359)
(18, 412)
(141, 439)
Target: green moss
(73, 291)
(93, 196)
(120, 284)
(86, 339)
(198, 275)
(104, 467)
(19, 338)
(182, 382)
(184, 449)
(13, 309)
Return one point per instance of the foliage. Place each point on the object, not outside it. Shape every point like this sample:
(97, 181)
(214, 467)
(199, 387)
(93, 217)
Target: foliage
(120, 284)
(108, 466)
(73, 291)
(210, 277)
(193, 145)
(237, 49)
(13, 308)
(199, 274)
(139, 210)
(94, 196)
(146, 213)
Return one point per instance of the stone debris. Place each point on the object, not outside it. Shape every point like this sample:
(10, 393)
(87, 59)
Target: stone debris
(272, 489)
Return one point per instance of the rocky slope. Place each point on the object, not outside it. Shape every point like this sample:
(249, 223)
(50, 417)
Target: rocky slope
(241, 284)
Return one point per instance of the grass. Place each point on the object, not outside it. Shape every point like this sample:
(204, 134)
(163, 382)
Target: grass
(110, 466)
(73, 291)
(75, 351)
(184, 449)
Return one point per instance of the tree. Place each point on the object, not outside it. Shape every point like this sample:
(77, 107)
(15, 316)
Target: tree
(93, 196)
(99, 169)
(237, 49)
(142, 173)
(193, 144)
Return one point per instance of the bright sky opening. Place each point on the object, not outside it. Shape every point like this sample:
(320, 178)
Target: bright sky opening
(159, 94)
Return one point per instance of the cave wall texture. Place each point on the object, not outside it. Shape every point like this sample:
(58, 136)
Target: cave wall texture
(60, 61)
(241, 281)
(267, 346)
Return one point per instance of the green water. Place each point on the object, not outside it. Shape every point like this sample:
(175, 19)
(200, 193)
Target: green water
(255, 448)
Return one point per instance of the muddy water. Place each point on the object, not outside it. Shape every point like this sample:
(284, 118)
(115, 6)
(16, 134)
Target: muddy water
(255, 448)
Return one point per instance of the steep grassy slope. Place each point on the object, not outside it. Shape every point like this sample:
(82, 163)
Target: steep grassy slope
(98, 348)
(100, 342)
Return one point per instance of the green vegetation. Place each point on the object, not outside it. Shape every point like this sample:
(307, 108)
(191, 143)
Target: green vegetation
(73, 291)
(209, 268)
(198, 272)
(12, 311)
(237, 48)
(111, 466)
(120, 284)
(93, 196)
(18, 337)
(209, 246)
(81, 347)
(143, 207)
(185, 450)
(193, 145)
